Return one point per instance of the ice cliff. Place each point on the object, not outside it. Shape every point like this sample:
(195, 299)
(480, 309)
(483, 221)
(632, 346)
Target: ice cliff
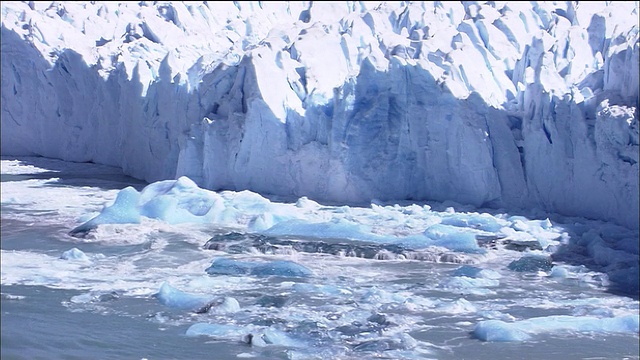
(499, 104)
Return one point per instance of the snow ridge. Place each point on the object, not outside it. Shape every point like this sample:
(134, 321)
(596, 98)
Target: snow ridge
(500, 104)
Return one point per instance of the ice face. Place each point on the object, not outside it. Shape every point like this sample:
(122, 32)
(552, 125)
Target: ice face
(499, 105)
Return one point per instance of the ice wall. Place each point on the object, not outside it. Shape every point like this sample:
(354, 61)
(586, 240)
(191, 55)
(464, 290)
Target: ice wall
(502, 104)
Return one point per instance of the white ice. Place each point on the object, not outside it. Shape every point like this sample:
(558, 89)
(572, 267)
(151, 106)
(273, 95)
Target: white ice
(497, 104)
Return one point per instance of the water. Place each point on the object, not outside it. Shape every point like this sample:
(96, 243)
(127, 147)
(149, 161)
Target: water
(398, 304)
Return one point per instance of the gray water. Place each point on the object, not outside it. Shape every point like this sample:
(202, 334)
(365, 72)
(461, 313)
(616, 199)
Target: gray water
(43, 318)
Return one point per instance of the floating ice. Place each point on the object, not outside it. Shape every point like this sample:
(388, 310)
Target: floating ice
(220, 306)
(251, 335)
(75, 254)
(222, 331)
(284, 268)
(271, 336)
(123, 211)
(174, 298)
(95, 297)
(497, 330)
(338, 229)
(281, 268)
(224, 266)
(559, 272)
(484, 222)
(452, 237)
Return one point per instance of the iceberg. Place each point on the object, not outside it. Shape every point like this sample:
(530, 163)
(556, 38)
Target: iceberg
(283, 268)
(177, 299)
(122, 211)
(504, 105)
(498, 330)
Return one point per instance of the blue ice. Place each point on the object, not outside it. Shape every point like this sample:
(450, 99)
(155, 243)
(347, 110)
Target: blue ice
(452, 237)
(484, 222)
(172, 201)
(224, 266)
(336, 229)
(497, 330)
(124, 210)
(531, 263)
(177, 299)
(217, 330)
(281, 268)
(180, 201)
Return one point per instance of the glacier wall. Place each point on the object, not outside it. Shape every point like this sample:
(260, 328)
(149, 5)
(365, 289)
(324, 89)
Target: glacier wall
(499, 104)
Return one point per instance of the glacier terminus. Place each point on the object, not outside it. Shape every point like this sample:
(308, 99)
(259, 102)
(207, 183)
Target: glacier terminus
(320, 180)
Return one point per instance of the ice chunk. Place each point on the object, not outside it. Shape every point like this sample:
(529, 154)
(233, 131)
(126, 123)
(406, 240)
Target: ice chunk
(531, 263)
(452, 237)
(272, 336)
(221, 331)
(284, 268)
(496, 330)
(220, 306)
(459, 306)
(224, 266)
(75, 254)
(180, 201)
(462, 282)
(338, 228)
(281, 268)
(174, 298)
(123, 211)
(484, 222)
(559, 272)
(93, 297)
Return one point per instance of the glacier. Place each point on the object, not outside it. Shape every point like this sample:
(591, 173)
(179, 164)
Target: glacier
(494, 104)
